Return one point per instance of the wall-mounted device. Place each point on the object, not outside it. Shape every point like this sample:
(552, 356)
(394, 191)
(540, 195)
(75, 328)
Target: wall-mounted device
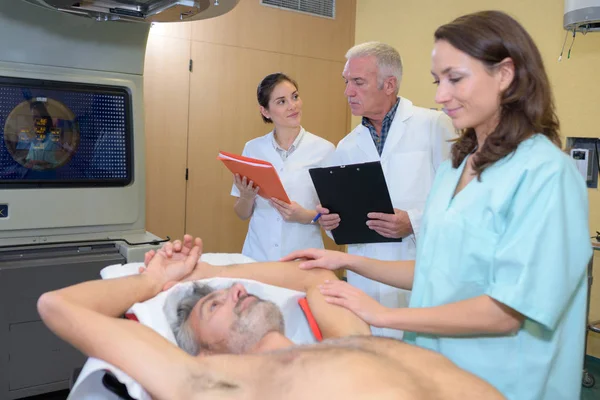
(584, 152)
(581, 157)
(582, 15)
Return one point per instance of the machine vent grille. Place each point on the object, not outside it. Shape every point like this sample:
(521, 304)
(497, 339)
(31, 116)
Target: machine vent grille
(321, 8)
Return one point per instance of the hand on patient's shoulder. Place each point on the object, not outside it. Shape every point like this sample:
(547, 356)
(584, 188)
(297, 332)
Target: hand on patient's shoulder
(319, 258)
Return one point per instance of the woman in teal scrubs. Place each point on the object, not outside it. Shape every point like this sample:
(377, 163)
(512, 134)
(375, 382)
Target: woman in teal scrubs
(499, 283)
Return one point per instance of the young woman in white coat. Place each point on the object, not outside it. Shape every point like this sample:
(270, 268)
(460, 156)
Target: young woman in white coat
(277, 228)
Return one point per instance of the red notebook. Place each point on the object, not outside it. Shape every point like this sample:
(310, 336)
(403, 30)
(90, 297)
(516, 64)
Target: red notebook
(262, 173)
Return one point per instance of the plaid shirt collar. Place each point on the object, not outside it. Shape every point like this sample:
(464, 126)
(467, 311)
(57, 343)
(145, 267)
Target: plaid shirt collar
(379, 140)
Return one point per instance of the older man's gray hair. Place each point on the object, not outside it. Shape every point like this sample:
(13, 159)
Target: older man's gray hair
(388, 60)
(181, 327)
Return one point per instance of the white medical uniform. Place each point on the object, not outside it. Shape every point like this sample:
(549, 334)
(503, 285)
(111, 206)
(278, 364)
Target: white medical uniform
(269, 236)
(416, 145)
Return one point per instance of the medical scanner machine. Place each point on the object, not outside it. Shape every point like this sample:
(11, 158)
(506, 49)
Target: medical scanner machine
(72, 176)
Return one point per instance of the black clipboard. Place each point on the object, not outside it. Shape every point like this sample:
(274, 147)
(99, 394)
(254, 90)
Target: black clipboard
(353, 191)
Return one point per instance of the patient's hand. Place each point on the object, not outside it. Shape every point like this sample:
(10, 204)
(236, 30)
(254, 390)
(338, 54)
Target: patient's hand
(174, 254)
(177, 250)
(167, 271)
(203, 270)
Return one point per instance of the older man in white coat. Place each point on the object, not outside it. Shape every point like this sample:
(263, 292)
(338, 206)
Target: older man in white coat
(409, 141)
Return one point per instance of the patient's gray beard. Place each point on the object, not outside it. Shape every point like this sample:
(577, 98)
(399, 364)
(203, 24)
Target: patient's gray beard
(253, 324)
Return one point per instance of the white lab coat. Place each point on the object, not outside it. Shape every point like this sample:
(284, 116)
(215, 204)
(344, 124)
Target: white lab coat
(270, 237)
(416, 144)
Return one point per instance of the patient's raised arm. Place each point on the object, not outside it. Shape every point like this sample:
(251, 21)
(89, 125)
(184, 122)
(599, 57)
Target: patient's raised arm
(87, 316)
(283, 274)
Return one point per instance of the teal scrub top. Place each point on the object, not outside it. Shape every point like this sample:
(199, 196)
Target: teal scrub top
(519, 235)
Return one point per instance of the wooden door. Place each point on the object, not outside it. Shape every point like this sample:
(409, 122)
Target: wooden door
(166, 99)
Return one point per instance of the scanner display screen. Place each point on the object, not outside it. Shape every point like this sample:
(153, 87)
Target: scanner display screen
(62, 134)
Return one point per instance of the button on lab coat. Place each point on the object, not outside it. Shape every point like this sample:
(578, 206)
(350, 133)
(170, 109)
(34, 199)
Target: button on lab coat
(416, 144)
(269, 236)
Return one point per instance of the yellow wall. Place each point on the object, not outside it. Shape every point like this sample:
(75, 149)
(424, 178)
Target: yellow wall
(409, 26)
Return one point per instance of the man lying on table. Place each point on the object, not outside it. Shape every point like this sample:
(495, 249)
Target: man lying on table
(249, 355)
